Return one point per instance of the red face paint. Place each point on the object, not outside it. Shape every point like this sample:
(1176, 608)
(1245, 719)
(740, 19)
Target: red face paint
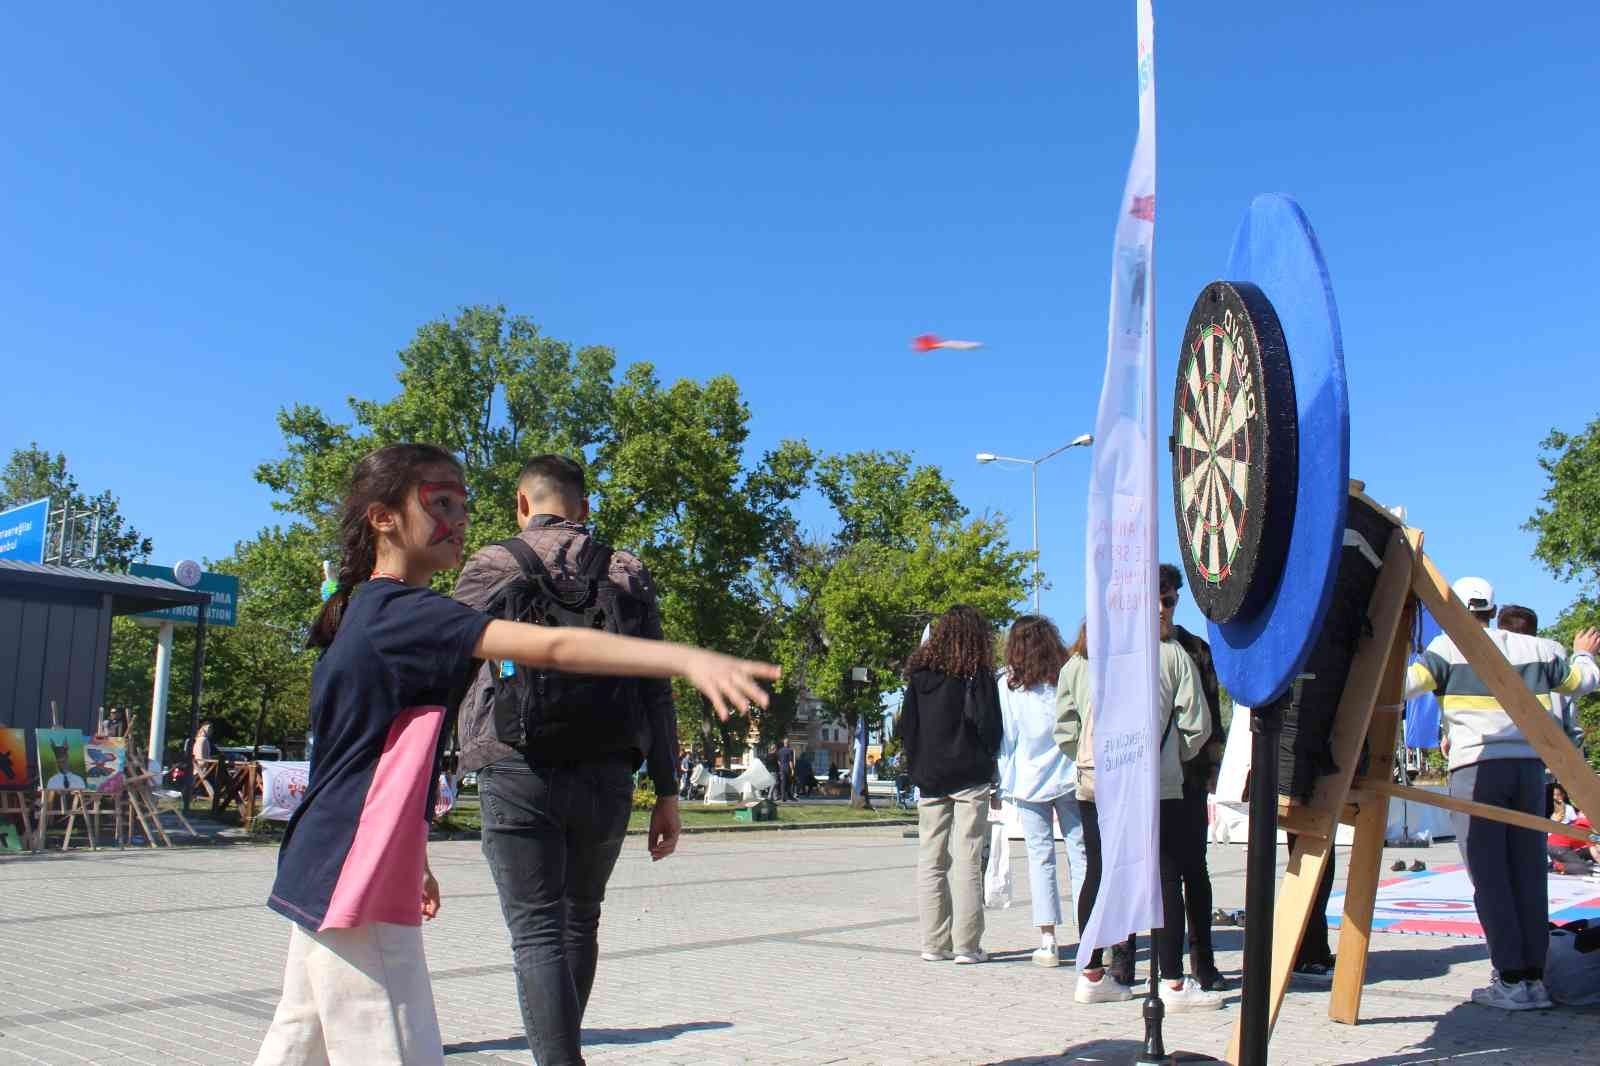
(427, 493)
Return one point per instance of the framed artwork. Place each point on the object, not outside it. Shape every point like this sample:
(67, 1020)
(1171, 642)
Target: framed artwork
(61, 761)
(13, 758)
(106, 758)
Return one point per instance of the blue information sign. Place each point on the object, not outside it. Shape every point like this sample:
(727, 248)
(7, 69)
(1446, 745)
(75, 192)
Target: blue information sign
(224, 589)
(22, 531)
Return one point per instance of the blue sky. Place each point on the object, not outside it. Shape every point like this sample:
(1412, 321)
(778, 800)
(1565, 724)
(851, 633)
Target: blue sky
(212, 213)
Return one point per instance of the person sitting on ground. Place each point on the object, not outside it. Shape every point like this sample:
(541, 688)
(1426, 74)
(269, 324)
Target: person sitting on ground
(1574, 854)
(1561, 809)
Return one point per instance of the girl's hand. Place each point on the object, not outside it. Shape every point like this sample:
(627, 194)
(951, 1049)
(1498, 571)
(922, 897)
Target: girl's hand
(730, 684)
(430, 895)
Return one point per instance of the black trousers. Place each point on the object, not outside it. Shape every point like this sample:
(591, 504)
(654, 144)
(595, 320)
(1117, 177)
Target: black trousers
(1180, 853)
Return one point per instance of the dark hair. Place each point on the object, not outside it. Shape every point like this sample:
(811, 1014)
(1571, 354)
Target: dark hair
(1514, 618)
(555, 473)
(961, 645)
(384, 477)
(1171, 577)
(1034, 652)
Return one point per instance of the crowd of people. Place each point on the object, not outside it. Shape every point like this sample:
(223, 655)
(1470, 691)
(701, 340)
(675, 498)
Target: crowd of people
(556, 719)
(974, 736)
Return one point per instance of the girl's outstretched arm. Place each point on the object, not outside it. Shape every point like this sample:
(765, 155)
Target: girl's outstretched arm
(730, 684)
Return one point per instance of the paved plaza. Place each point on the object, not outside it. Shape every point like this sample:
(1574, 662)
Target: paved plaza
(770, 947)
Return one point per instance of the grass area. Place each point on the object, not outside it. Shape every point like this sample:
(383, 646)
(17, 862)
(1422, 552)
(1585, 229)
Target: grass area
(467, 819)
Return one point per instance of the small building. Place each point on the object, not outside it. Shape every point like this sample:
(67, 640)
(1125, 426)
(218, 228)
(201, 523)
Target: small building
(55, 637)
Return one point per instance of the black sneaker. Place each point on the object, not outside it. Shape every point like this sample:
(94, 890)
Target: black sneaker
(1315, 972)
(1211, 981)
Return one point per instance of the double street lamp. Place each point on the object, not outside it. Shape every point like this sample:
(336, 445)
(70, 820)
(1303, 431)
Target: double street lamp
(1033, 464)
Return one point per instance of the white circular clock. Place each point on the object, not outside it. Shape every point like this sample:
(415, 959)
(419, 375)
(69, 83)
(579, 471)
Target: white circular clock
(187, 573)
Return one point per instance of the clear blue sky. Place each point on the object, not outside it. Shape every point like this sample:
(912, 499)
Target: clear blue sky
(212, 211)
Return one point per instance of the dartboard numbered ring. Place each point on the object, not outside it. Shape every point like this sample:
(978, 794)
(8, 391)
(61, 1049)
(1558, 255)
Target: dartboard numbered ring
(1234, 461)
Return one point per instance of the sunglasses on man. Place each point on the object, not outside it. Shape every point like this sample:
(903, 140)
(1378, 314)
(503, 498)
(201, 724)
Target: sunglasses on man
(1169, 600)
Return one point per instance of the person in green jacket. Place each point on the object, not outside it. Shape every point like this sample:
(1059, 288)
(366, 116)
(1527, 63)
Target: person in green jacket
(1183, 719)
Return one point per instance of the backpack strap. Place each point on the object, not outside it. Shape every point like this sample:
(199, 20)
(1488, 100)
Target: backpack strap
(598, 566)
(527, 559)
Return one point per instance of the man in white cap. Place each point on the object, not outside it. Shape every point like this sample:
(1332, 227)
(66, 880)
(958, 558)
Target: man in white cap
(1492, 762)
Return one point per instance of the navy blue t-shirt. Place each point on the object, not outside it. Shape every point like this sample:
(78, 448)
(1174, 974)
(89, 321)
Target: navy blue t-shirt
(355, 849)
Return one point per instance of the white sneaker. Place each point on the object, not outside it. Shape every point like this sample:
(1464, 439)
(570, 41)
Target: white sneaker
(1106, 990)
(972, 958)
(1538, 995)
(1046, 955)
(1190, 997)
(936, 956)
(1506, 997)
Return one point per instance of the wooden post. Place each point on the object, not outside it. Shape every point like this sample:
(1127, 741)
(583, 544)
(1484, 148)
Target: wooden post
(1363, 869)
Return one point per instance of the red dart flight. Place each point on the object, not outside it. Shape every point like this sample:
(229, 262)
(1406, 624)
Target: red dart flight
(927, 342)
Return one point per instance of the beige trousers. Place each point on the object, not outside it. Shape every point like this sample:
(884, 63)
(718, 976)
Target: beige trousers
(355, 997)
(950, 870)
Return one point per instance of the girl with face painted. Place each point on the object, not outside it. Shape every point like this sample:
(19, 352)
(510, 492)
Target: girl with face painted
(353, 874)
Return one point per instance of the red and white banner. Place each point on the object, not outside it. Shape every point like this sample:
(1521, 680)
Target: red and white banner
(1120, 559)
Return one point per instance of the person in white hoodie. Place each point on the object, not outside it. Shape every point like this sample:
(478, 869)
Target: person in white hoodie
(1036, 775)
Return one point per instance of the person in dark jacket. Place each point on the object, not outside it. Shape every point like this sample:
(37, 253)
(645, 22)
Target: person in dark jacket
(1199, 782)
(950, 728)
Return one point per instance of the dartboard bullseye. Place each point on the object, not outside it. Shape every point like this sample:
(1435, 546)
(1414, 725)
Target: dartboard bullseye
(1234, 463)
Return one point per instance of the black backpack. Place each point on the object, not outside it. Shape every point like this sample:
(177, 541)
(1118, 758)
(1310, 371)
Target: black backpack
(547, 711)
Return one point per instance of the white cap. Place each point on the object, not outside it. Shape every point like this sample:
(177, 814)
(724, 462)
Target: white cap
(1475, 592)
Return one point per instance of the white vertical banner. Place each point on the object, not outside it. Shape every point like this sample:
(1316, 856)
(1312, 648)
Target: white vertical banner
(1120, 560)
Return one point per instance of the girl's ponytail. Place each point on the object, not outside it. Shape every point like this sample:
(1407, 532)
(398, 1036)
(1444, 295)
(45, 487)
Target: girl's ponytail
(383, 477)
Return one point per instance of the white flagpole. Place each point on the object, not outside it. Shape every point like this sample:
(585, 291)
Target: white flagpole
(1120, 560)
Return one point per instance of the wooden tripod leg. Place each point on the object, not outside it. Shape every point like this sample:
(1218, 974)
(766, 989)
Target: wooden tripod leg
(1360, 897)
(1297, 898)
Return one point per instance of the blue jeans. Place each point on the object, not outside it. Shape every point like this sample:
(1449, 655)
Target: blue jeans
(1038, 831)
(552, 835)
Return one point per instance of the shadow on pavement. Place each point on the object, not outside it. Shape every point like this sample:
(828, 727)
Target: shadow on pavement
(647, 1035)
(1098, 1051)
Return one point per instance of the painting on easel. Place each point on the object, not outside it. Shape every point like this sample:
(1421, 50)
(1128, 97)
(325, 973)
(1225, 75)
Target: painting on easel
(13, 758)
(61, 762)
(106, 759)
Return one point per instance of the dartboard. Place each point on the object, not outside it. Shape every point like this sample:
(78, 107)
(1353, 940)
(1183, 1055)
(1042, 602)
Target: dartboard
(1234, 466)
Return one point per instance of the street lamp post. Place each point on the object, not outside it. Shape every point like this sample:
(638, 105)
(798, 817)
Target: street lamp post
(1033, 465)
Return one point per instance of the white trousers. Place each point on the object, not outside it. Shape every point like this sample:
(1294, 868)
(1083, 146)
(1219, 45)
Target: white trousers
(355, 997)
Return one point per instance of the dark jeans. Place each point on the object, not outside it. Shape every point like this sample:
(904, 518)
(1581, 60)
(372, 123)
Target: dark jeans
(1183, 856)
(1506, 864)
(785, 782)
(1196, 877)
(1091, 874)
(1314, 948)
(552, 836)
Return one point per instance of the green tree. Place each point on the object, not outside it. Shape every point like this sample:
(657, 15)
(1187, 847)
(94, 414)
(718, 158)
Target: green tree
(485, 385)
(905, 551)
(677, 491)
(1567, 525)
(32, 473)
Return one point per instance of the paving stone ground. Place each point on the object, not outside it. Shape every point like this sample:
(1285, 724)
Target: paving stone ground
(791, 947)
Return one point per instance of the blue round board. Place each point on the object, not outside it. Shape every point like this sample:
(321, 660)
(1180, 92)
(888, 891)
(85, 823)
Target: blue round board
(1275, 249)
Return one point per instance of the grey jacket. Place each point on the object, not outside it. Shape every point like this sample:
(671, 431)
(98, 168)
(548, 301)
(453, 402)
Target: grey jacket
(559, 543)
